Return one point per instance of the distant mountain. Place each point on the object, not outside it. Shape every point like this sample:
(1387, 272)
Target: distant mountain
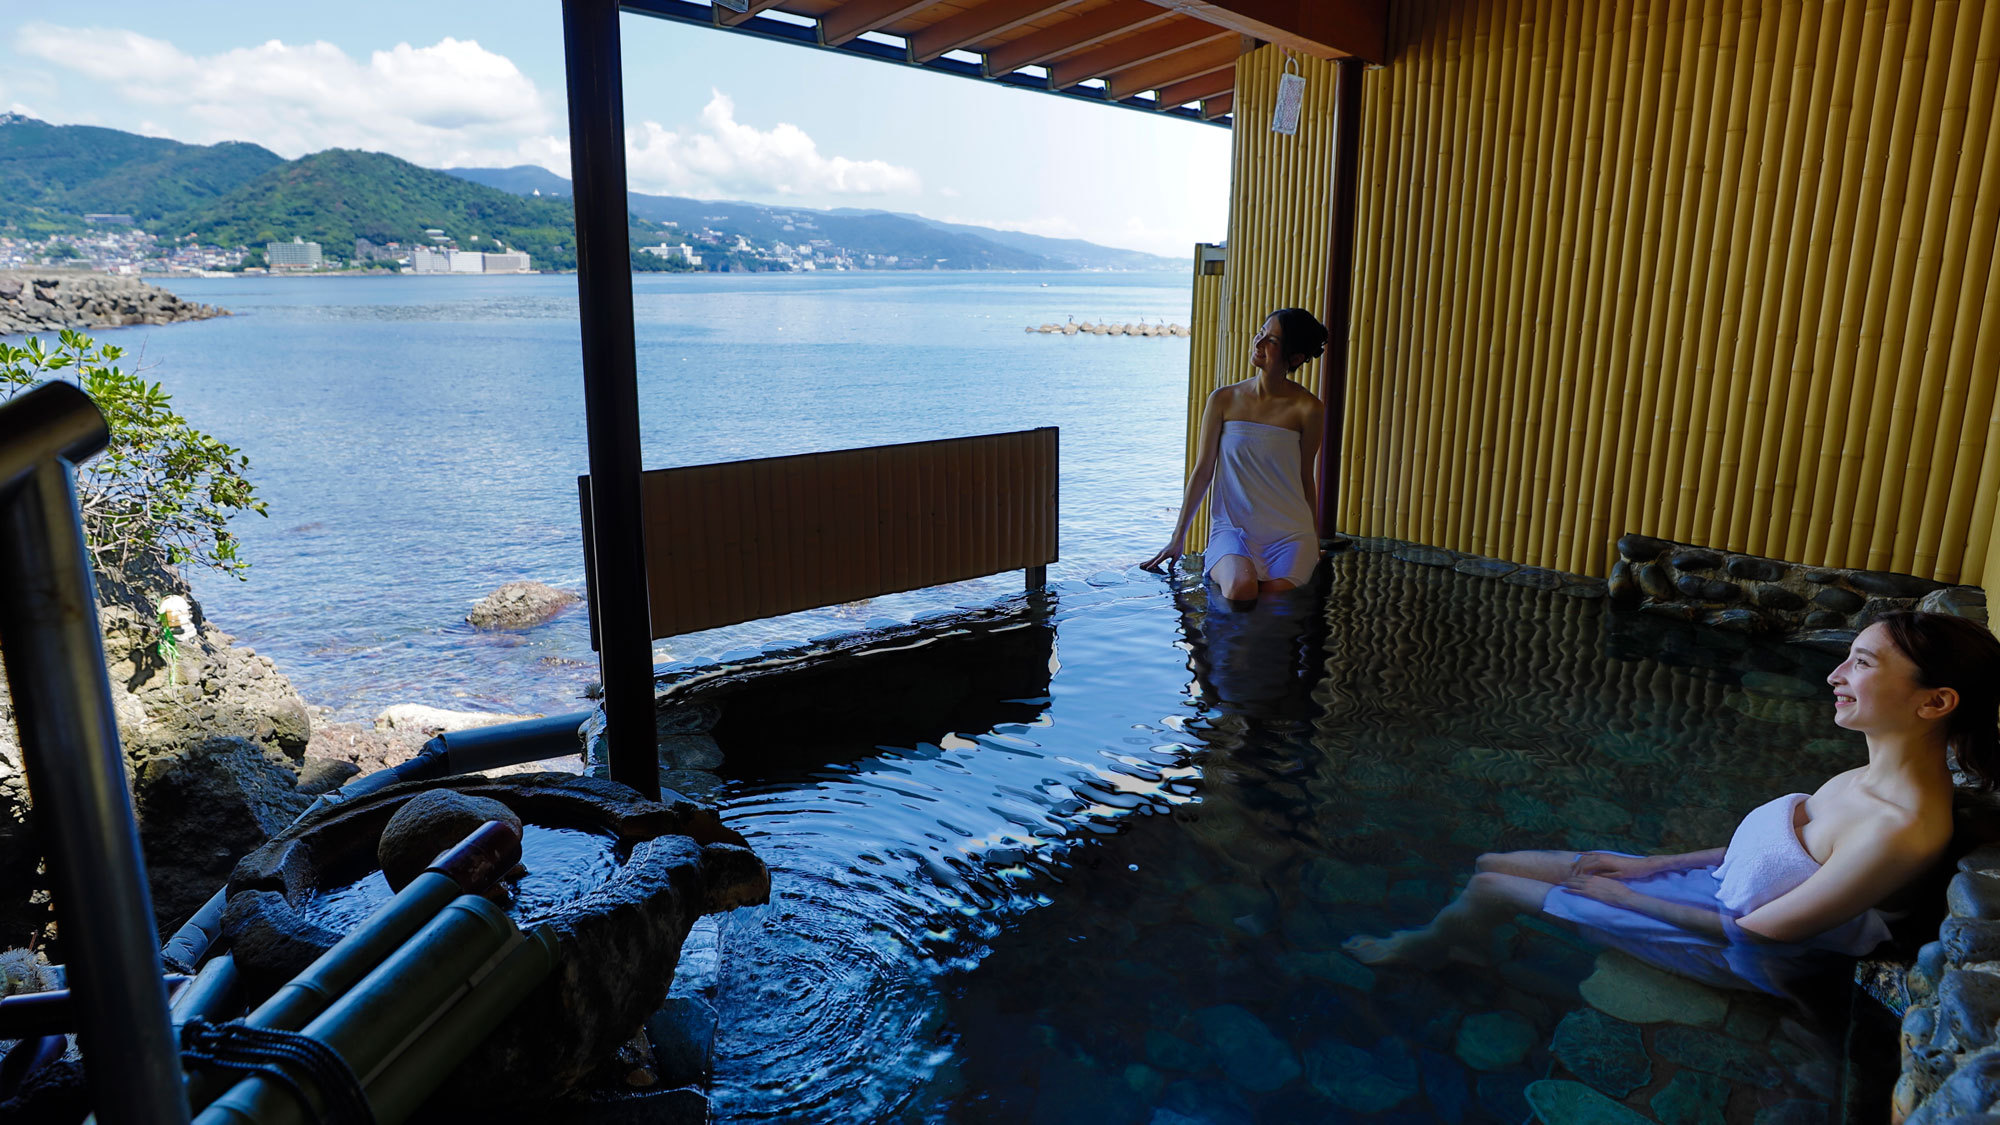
(958, 245)
(52, 175)
(336, 196)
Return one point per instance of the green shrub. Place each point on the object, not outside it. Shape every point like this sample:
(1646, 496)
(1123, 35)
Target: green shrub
(162, 491)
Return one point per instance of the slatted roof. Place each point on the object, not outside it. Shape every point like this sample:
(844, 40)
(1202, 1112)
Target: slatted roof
(1176, 57)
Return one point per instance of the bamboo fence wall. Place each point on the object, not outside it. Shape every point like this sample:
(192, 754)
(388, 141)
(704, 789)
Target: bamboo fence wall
(1721, 271)
(1280, 200)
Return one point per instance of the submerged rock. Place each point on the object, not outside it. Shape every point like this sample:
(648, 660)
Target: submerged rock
(1248, 1053)
(1494, 1040)
(1609, 1054)
(520, 605)
(1573, 1103)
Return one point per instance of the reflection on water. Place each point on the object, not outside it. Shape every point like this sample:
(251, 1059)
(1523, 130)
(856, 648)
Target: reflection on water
(1131, 908)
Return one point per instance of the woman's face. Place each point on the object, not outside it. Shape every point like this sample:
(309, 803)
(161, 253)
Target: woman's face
(1875, 690)
(1267, 350)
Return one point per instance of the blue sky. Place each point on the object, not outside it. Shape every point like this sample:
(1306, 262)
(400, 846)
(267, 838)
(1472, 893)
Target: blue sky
(709, 114)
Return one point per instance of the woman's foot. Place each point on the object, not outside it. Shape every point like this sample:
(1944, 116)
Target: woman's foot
(1407, 947)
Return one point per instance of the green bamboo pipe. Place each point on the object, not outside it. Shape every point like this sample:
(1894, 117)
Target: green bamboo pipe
(401, 1086)
(373, 1020)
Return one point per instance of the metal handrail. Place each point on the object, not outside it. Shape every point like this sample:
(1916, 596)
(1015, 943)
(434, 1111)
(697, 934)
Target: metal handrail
(54, 654)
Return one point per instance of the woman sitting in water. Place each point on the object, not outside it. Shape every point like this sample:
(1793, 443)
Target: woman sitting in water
(1801, 871)
(1259, 444)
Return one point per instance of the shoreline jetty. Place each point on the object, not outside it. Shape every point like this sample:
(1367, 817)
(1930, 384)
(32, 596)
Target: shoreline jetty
(1088, 328)
(50, 300)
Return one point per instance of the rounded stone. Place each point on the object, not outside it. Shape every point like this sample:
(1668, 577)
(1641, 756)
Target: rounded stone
(1974, 894)
(1985, 857)
(1366, 1082)
(1885, 584)
(1691, 1098)
(1495, 1040)
(1839, 600)
(519, 605)
(1534, 578)
(1754, 569)
(1609, 1054)
(1623, 585)
(1557, 1102)
(428, 824)
(1424, 556)
(1958, 601)
(1967, 940)
(1246, 1050)
(1485, 568)
(1736, 620)
(1968, 1009)
(1707, 589)
(1654, 582)
(1635, 992)
(1825, 619)
(1642, 548)
(1776, 597)
(1694, 558)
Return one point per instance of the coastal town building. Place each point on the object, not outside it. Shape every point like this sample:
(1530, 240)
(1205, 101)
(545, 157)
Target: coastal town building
(297, 254)
(683, 252)
(432, 260)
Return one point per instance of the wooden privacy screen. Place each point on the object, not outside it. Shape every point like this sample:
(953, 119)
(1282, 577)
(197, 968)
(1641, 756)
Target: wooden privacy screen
(741, 540)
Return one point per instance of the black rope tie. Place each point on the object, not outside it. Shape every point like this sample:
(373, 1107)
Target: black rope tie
(286, 1057)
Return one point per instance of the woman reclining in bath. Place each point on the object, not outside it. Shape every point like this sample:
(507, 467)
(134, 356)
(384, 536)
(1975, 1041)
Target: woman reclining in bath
(1808, 873)
(1259, 445)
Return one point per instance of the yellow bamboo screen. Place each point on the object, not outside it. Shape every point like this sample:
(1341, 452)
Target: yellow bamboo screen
(741, 540)
(1280, 203)
(1210, 283)
(1721, 272)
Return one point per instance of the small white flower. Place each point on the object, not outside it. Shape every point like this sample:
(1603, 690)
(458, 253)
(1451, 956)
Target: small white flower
(174, 610)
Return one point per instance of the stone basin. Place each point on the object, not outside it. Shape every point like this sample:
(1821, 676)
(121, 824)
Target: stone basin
(644, 872)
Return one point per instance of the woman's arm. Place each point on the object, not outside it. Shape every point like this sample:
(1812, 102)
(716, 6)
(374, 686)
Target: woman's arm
(1309, 442)
(1615, 893)
(1638, 867)
(1871, 860)
(1210, 441)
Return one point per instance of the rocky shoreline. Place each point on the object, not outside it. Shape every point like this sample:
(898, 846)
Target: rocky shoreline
(221, 753)
(49, 300)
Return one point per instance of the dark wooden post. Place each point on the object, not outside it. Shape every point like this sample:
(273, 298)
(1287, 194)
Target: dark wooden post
(1339, 282)
(610, 387)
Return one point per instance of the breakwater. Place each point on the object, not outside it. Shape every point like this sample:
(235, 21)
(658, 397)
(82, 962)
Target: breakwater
(48, 300)
(1088, 328)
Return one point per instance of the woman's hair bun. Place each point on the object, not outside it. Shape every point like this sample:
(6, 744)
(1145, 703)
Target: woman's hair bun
(1302, 332)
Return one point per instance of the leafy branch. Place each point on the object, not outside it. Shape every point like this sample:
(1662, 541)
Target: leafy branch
(162, 492)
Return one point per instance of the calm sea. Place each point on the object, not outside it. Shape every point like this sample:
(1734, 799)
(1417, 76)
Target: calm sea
(418, 441)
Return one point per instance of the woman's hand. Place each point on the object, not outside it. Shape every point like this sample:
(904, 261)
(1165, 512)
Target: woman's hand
(1612, 866)
(1612, 892)
(1167, 554)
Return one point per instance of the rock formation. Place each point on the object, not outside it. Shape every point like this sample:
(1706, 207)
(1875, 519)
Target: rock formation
(519, 605)
(47, 300)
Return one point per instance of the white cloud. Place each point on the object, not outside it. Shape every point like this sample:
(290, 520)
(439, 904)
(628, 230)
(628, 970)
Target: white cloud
(451, 103)
(724, 157)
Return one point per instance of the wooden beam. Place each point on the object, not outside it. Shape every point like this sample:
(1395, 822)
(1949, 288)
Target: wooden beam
(1328, 29)
(995, 17)
(848, 21)
(1177, 67)
(1199, 89)
(727, 18)
(1134, 50)
(1087, 30)
(1218, 106)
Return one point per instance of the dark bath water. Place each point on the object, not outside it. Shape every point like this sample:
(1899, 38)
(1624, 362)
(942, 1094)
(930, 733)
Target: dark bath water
(1130, 909)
